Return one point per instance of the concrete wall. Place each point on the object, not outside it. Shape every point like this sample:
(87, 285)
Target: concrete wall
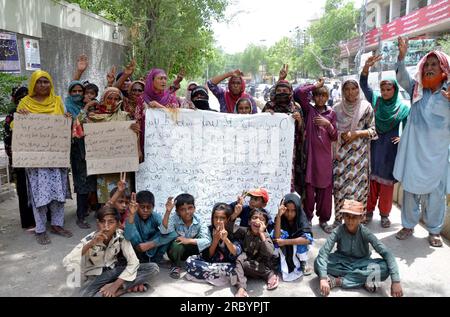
(64, 32)
(26, 17)
(60, 48)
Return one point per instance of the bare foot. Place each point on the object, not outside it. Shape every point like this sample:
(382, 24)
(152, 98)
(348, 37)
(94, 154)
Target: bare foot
(138, 289)
(241, 293)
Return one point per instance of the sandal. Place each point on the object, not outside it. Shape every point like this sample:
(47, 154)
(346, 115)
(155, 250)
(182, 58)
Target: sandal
(83, 224)
(336, 224)
(274, 284)
(175, 272)
(42, 238)
(334, 281)
(404, 234)
(306, 270)
(435, 240)
(371, 288)
(385, 222)
(61, 231)
(325, 227)
(368, 219)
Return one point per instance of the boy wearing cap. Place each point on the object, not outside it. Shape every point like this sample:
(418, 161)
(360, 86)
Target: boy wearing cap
(351, 266)
(259, 198)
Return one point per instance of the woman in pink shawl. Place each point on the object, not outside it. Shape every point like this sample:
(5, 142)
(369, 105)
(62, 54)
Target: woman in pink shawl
(236, 90)
(356, 129)
(156, 95)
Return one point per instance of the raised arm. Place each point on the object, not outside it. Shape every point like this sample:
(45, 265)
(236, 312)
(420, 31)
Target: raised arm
(281, 211)
(216, 80)
(176, 85)
(363, 79)
(403, 77)
(127, 73)
(82, 65)
(301, 94)
(164, 228)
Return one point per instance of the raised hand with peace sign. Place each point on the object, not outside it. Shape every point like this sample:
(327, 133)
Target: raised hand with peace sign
(133, 206)
(284, 72)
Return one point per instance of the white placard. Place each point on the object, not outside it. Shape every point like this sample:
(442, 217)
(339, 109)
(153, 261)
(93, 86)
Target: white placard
(215, 156)
(111, 147)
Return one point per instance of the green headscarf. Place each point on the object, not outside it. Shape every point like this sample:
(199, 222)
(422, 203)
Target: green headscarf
(389, 113)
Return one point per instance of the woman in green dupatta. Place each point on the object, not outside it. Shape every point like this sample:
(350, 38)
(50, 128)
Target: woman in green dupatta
(389, 113)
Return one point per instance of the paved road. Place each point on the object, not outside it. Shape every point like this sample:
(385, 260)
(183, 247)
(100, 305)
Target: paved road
(28, 269)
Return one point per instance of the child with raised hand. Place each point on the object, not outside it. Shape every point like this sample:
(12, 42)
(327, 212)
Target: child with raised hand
(216, 265)
(351, 265)
(192, 233)
(259, 198)
(257, 258)
(96, 260)
(292, 237)
(120, 199)
(321, 132)
(142, 229)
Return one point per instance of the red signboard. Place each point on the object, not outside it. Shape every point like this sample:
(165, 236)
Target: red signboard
(419, 19)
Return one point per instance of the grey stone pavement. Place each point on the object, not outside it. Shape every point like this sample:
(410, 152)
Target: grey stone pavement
(28, 269)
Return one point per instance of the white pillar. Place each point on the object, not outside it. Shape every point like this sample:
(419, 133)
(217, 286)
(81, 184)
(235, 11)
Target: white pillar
(411, 5)
(394, 10)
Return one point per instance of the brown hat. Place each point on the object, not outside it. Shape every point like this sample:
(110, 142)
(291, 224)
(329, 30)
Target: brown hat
(353, 207)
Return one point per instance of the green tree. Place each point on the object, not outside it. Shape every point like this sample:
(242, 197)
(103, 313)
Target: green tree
(7, 83)
(445, 44)
(337, 24)
(253, 58)
(282, 52)
(168, 34)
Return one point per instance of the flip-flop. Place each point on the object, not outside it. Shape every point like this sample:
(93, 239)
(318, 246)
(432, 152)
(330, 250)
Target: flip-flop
(385, 222)
(175, 272)
(326, 227)
(42, 238)
(61, 232)
(404, 234)
(371, 288)
(435, 240)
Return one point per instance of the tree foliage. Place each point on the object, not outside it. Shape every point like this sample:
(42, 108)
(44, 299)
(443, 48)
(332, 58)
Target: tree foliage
(445, 44)
(338, 23)
(7, 83)
(168, 34)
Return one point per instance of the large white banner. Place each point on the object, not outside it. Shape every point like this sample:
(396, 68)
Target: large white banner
(215, 156)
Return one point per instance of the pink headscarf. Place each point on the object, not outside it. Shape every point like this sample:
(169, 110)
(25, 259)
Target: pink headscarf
(231, 99)
(444, 61)
(166, 98)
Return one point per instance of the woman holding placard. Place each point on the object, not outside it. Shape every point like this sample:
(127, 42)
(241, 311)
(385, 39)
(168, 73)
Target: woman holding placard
(48, 188)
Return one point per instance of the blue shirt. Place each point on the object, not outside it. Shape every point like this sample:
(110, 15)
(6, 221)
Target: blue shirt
(423, 153)
(144, 231)
(197, 230)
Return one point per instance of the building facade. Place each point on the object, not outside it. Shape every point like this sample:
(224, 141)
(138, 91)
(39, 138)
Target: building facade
(386, 20)
(59, 32)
